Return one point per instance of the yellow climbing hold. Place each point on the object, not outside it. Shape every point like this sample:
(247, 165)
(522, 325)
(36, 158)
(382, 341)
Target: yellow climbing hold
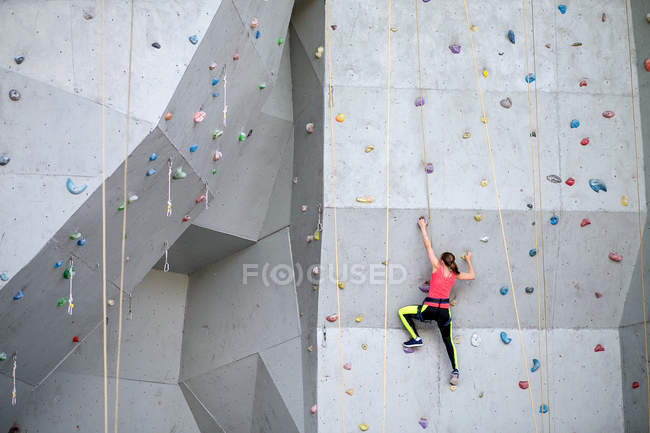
(341, 285)
(364, 346)
(467, 135)
(363, 427)
(452, 387)
(485, 73)
(453, 302)
(310, 348)
(484, 119)
(484, 182)
(369, 148)
(393, 29)
(349, 391)
(302, 314)
(478, 217)
(317, 235)
(625, 200)
(366, 199)
(340, 117)
(358, 319)
(319, 52)
(385, 263)
(314, 287)
(474, 28)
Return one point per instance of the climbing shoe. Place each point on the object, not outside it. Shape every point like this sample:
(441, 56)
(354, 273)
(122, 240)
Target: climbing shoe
(453, 380)
(413, 342)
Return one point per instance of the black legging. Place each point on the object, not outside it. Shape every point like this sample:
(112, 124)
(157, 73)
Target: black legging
(442, 316)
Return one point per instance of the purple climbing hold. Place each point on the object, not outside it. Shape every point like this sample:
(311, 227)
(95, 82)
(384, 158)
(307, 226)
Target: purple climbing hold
(18, 296)
(419, 101)
(562, 9)
(426, 1)
(597, 185)
(429, 168)
(424, 287)
(424, 423)
(455, 48)
(511, 36)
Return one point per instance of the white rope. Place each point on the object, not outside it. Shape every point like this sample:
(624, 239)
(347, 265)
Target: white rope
(13, 377)
(169, 187)
(70, 300)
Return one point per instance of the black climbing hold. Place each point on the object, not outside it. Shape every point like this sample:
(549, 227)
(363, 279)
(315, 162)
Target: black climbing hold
(156, 45)
(249, 133)
(4, 160)
(529, 290)
(14, 95)
(19, 59)
(533, 134)
(529, 205)
(88, 15)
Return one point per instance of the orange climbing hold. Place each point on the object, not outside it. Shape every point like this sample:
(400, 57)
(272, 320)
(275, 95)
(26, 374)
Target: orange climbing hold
(349, 391)
(340, 117)
(598, 295)
(168, 116)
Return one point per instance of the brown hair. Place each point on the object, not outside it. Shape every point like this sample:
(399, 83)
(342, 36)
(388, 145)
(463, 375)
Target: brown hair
(450, 261)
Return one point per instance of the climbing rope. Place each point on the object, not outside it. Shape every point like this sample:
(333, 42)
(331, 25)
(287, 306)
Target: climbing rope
(638, 200)
(103, 96)
(336, 235)
(537, 207)
(388, 32)
(124, 186)
(498, 203)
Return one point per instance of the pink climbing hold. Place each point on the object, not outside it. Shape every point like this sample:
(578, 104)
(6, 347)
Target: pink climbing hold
(199, 116)
(585, 222)
(200, 198)
(615, 257)
(523, 384)
(235, 56)
(608, 114)
(332, 317)
(347, 366)
(570, 181)
(313, 409)
(599, 348)
(585, 141)
(583, 83)
(309, 128)
(635, 385)
(424, 423)
(598, 295)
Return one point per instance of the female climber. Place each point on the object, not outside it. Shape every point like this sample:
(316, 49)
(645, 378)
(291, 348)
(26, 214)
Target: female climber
(436, 305)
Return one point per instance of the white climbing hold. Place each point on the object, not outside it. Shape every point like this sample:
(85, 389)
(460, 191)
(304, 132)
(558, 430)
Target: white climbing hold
(476, 340)
(484, 239)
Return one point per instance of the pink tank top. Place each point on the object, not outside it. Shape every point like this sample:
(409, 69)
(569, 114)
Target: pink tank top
(440, 286)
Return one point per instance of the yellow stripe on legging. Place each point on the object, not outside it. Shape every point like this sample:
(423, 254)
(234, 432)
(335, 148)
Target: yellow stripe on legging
(451, 337)
(409, 309)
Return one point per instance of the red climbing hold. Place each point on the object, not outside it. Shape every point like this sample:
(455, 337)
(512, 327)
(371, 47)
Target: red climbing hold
(635, 385)
(570, 181)
(235, 56)
(523, 384)
(583, 83)
(615, 257)
(599, 348)
(646, 63)
(608, 114)
(332, 318)
(75, 339)
(585, 222)
(598, 295)
(186, 218)
(333, 26)
(585, 141)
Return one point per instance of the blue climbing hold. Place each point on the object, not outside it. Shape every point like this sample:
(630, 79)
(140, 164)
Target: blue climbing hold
(194, 147)
(511, 36)
(151, 172)
(19, 295)
(575, 123)
(532, 252)
(58, 264)
(81, 242)
(554, 220)
(530, 78)
(543, 409)
(529, 205)
(257, 34)
(215, 81)
(503, 290)
(4, 277)
(215, 94)
(597, 185)
(505, 338)
(535, 366)
(74, 189)
(194, 39)
(153, 157)
(562, 9)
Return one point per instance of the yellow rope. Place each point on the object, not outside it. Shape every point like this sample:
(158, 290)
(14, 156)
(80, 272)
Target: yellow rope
(124, 198)
(104, 223)
(387, 267)
(498, 202)
(336, 235)
(424, 143)
(638, 200)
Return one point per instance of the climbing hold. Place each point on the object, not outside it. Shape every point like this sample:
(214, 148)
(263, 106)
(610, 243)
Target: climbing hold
(69, 272)
(254, 23)
(457, 339)
(646, 64)
(132, 198)
(478, 217)
(341, 285)
(14, 95)
(75, 339)
(419, 101)
(75, 236)
(474, 28)
(467, 135)
(74, 189)
(194, 147)
(429, 168)
(212, 66)
(179, 173)
(408, 349)
(570, 181)
(585, 222)
(151, 172)
(217, 155)
(4, 160)
(529, 290)
(309, 128)
(452, 388)
(529, 205)
(484, 119)
(532, 252)
(19, 59)
(340, 117)
(194, 39)
(554, 178)
(608, 114)
(615, 257)
(235, 56)
(121, 207)
(217, 133)
(575, 123)
(511, 36)
(153, 157)
(599, 348)
(319, 52)
(535, 366)
(424, 287)
(453, 301)
(503, 290)
(110, 302)
(554, 220)
(529, 78)
(156, 45)
(597, 185)
(4, 277)
(215, 81)
(543, 409)
(485, 73)
(332, 317)
(358, 319)
(242, 136)
(58, 264)
(333, 26)
(19, 295)
(424, 423)
(394, 29)
(647, 17)
(315, 271)
(475, 340)
(262, 86)
(186, 218)
(603, 18)
(484, 239)
(366, 199)
(505, 338)
(635, 385)
(523, 384)
(506, 103)
(168, 116)
(280, 41)
(583, 83)
(585, 141)
(625, 200)
(347, 366)
(349, 391)
(364, 346)
(454, 48)
(81, 242)
(199, 116)
(363, 427)
(562, 9)
(313, 409)
(598, 295)
(3, 356)
(576, 44)
(484, 182)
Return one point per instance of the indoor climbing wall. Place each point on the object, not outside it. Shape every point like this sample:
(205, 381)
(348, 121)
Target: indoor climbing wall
(580, 114)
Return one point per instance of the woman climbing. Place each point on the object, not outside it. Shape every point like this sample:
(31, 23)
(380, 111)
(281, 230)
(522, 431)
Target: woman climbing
(436, 305)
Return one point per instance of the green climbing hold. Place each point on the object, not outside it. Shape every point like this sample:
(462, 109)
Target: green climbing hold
(280, 41)
(121, 206)
(61, 302)
(242, 136)
(69, 272)
(75, 236)
(3, 356)
(179, 173)
(214, 171)
(262, 86)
